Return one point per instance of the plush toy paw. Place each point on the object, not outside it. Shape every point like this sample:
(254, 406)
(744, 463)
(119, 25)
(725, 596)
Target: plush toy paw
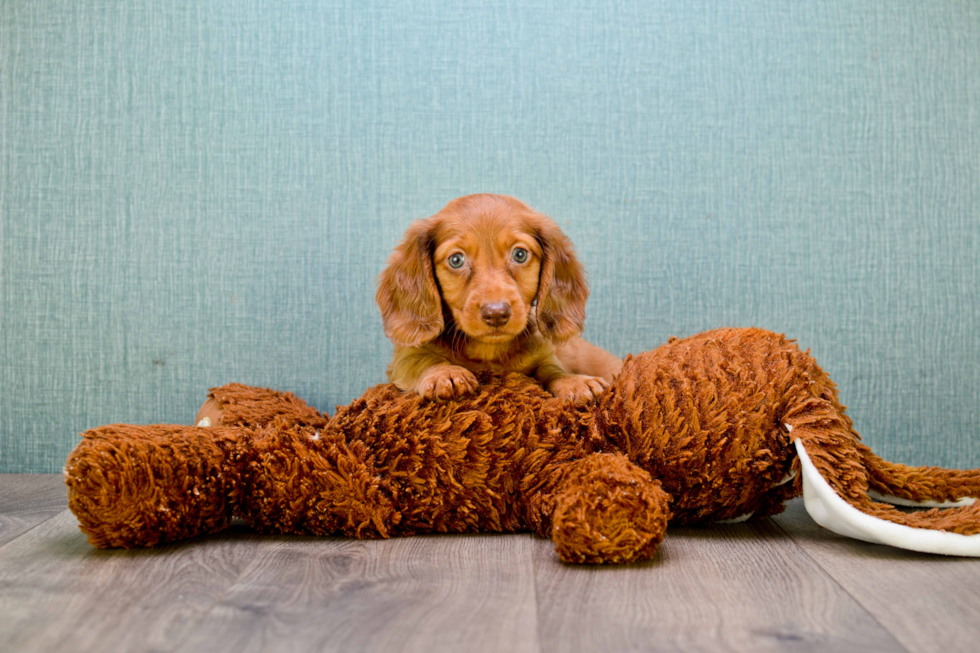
(608, 510)
(447, 382)
(580, 388)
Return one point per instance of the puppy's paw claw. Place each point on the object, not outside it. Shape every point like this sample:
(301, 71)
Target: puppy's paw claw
(579, 388)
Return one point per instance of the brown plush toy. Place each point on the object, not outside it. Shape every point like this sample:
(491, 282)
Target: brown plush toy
(714, 427)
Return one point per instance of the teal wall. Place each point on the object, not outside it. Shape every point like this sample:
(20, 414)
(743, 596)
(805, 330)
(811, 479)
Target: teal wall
(198, 192)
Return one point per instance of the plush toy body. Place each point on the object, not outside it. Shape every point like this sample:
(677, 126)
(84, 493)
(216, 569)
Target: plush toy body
(714, 427)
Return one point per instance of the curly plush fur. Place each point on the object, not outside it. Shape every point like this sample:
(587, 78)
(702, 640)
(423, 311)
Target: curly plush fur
(697, 430)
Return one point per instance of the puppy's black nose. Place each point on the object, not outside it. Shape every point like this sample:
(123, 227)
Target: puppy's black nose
(495, 314)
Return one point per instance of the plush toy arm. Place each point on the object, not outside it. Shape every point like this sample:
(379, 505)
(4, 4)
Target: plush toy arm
(249, 407)
(137, 486)
(309, 481)
(602, 509)
(134, 486)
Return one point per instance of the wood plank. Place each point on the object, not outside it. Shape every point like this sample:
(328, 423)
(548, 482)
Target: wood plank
(928, 602)
(59, 593)
(744, 587)
(432, 593)
(27, 500)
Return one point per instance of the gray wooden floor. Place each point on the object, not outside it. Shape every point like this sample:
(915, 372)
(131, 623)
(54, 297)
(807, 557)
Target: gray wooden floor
(782, 585)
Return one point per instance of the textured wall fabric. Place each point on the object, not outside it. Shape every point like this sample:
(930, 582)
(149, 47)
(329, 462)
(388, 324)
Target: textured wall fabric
(197, 193)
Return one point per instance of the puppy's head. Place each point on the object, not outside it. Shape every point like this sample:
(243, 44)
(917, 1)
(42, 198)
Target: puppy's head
(485, 262)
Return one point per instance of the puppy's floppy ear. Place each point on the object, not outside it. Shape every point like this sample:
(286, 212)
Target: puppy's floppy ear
(408, 296)
(562, 289)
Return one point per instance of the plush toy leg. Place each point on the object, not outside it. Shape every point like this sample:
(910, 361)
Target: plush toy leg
(832, 512)
(928, 487)
(608, 510)
(836, 489)
(135, 486)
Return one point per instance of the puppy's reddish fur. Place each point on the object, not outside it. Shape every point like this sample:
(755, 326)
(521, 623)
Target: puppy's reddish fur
(488, 282)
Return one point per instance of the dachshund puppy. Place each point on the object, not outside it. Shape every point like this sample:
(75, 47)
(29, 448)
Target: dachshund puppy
(489, 283)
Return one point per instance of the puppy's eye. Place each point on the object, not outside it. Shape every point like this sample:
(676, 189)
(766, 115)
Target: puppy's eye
(456, 261)
(520, 255)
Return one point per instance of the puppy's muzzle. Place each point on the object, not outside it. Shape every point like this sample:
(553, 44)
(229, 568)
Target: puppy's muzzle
(496, 314)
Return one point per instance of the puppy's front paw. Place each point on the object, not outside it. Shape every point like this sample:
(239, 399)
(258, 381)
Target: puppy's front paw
(580, 388)
(446, 382)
